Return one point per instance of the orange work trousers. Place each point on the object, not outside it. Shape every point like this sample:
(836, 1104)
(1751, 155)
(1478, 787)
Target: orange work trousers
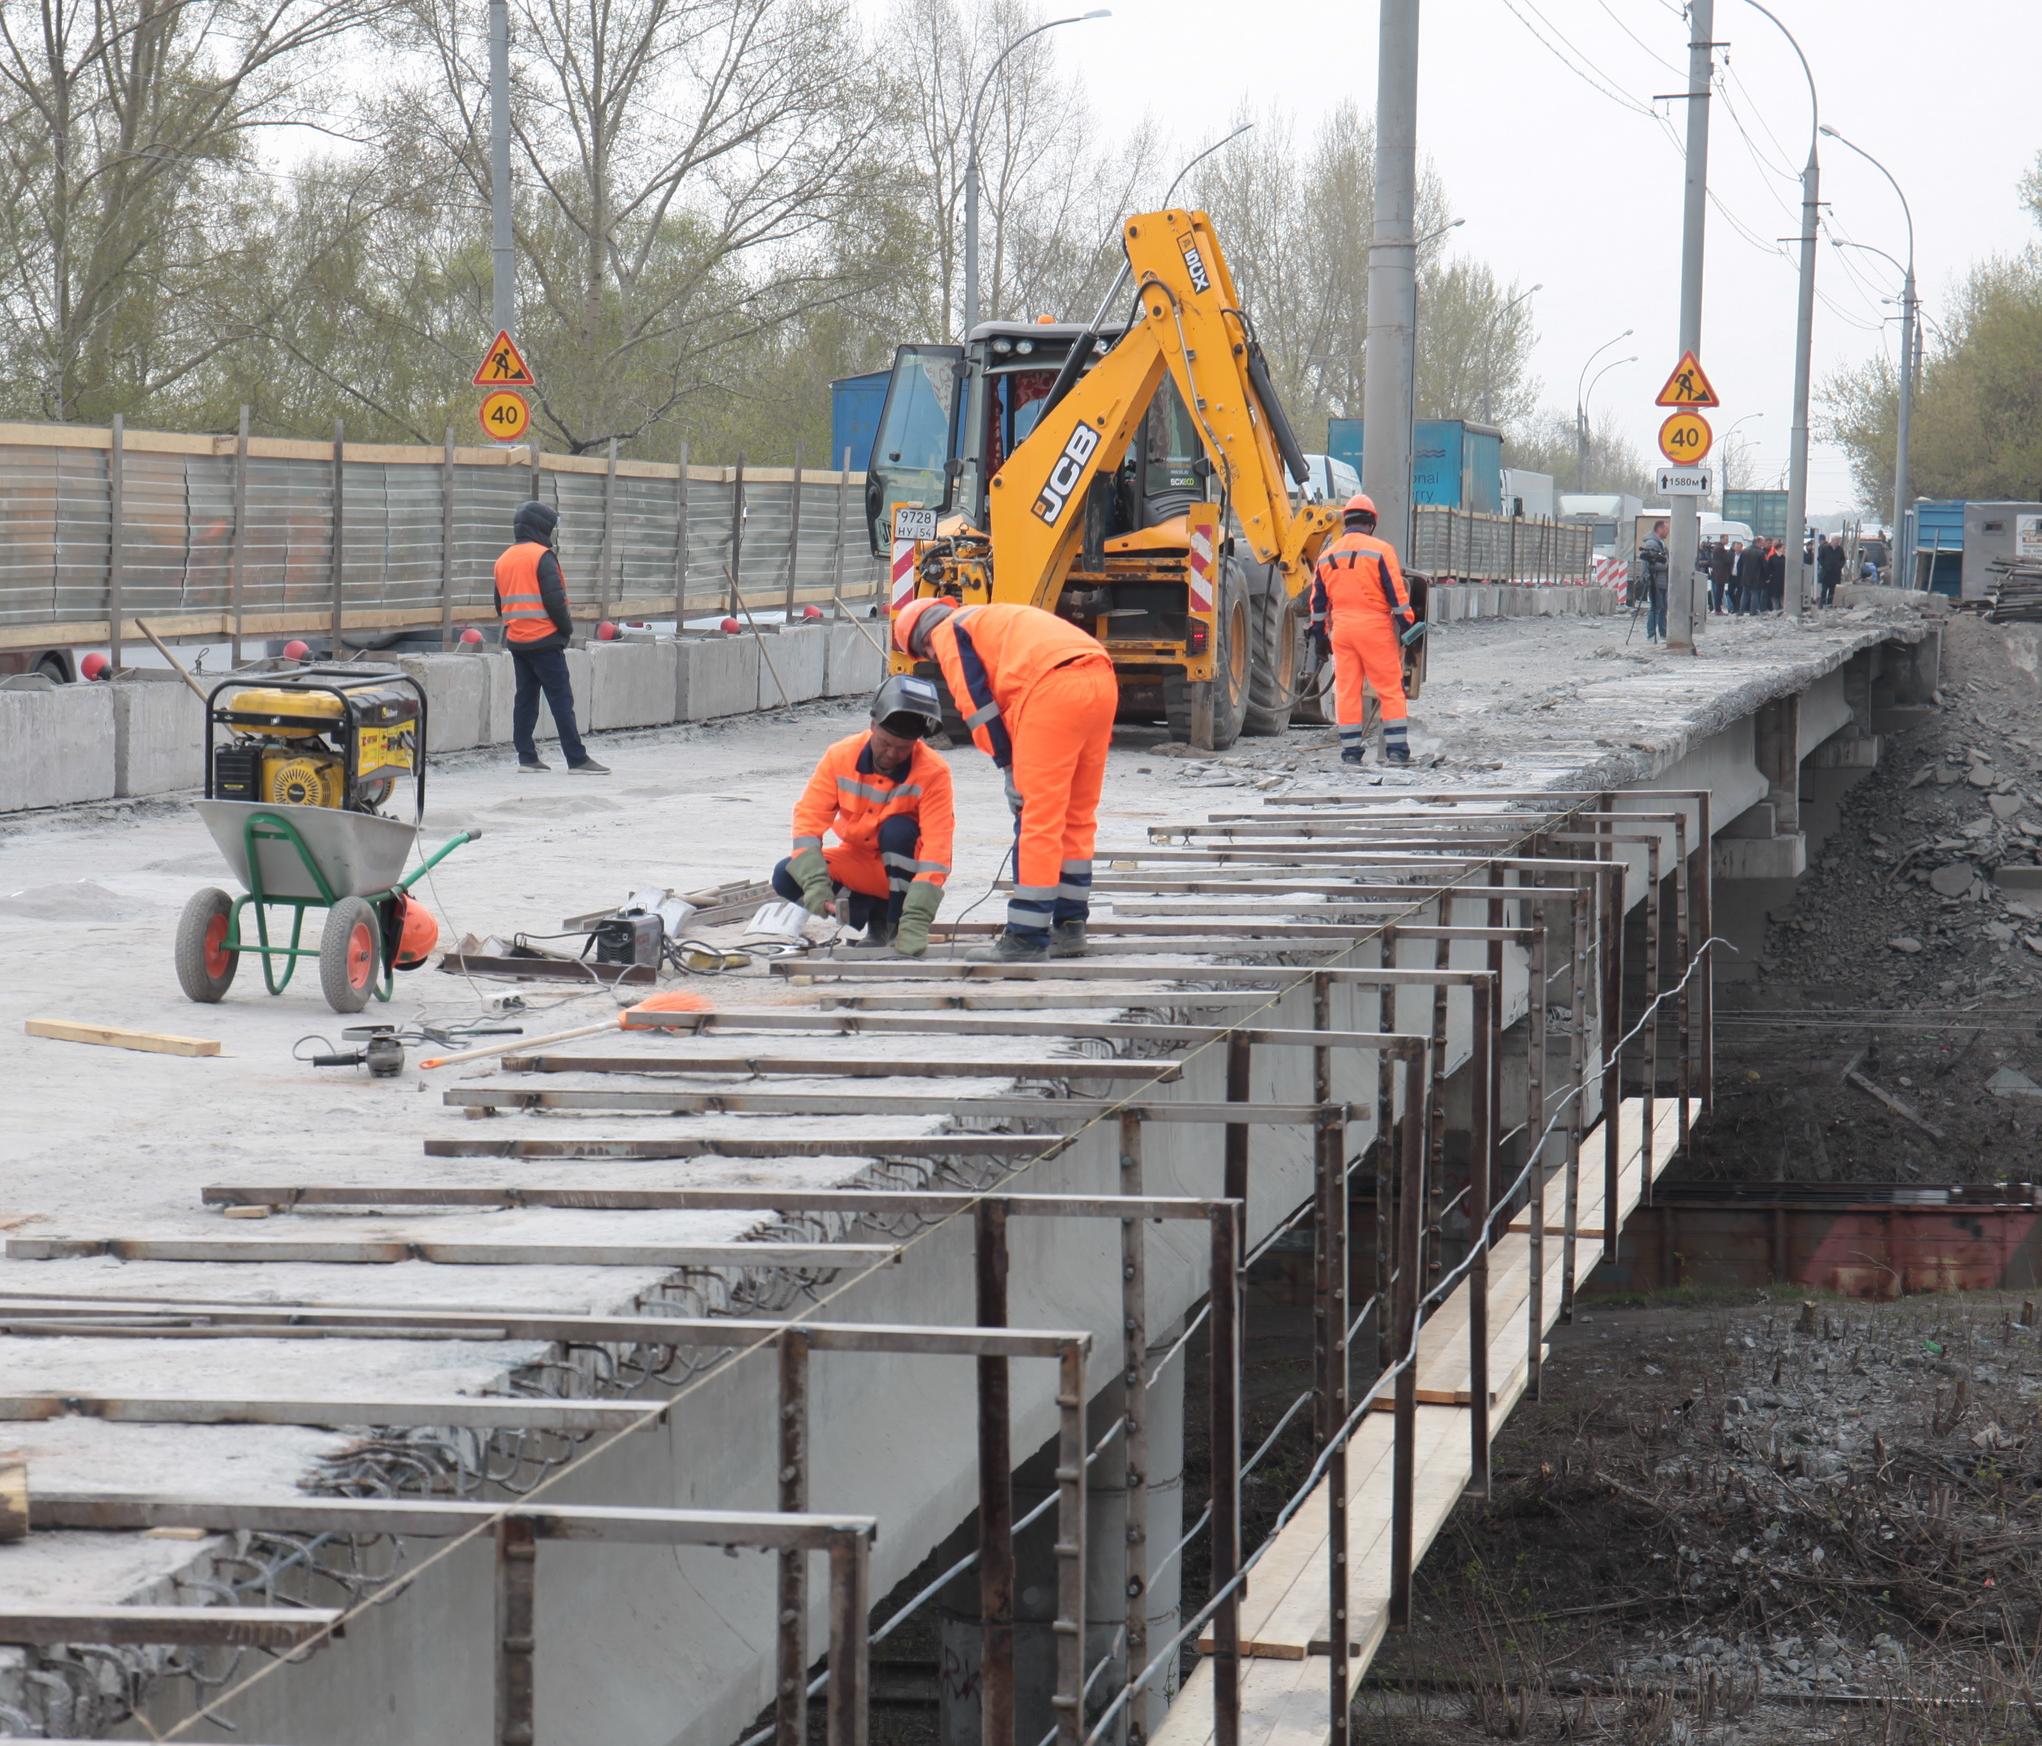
(1061, 730)
(1366, 651)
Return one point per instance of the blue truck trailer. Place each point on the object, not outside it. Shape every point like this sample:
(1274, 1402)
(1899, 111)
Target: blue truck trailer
(855, 403)
(1454, 463)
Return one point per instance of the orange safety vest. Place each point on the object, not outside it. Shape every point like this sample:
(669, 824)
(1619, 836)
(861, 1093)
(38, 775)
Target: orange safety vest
(522, 608)
(852, 796)
(1359, 573)
(991, 657)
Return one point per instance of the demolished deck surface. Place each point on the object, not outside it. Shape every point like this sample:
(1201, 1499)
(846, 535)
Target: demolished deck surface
(121, 1144)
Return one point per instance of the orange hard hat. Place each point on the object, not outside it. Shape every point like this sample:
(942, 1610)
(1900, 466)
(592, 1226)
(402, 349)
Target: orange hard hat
(417, 934)
(905, 620)
(1360, 504)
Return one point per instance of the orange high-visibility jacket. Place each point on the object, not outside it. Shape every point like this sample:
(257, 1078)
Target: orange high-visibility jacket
(991, 656)
(849, 794)
(520, 602)
(1359, 573)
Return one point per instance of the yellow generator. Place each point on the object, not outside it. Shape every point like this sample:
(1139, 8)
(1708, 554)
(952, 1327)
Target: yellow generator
(327, 736)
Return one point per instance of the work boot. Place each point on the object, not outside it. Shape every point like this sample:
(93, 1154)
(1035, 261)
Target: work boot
(1350, 755)
(1396, 754)
(1067, 940)
(878, 931)
(1008, 948)
(589, 767)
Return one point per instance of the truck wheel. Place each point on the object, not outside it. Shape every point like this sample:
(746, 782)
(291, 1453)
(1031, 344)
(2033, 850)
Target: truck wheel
(1232, 655)
(205, 968)
(350, 954)
(1272, 672)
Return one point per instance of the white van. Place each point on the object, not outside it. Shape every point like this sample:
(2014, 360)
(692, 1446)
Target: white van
(1331, 481)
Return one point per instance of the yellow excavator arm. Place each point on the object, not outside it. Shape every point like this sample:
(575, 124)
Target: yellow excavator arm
(1189, 326)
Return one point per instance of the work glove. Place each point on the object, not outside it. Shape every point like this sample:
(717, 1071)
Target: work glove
(1414, 628)
(812, 873)
(917, 911)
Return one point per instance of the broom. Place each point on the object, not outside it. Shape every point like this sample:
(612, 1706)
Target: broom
(673, 1000)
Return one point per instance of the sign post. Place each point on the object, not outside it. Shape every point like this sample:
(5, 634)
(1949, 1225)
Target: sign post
(505, 413)
(1685, 440)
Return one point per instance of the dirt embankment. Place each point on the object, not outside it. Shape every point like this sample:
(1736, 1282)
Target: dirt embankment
(1747, 1527)
(1910, 954)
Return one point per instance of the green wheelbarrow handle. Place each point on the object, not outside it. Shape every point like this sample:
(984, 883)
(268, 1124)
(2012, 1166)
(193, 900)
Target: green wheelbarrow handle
(434, 859)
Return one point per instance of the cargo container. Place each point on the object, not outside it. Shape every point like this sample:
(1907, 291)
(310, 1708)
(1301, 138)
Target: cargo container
(1936, 536)
(1454, 464)
(1764, 512)
(855, 402)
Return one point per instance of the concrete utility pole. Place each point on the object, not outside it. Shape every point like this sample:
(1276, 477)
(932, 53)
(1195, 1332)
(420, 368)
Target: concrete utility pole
(503, 298)
(1910, 352)
(1389, 389)
(1686, 547)
(971, 162)
(1796, 603)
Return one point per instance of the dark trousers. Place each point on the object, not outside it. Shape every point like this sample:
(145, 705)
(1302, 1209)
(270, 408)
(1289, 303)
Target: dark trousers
(899, 838)
(545, 670)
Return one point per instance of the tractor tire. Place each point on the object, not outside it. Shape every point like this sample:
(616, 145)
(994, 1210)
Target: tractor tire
(1232, 651)
(205, 970)
(1273, 672)
(350, 954)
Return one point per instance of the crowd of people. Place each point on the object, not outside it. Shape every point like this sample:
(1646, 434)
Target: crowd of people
(1744, 576)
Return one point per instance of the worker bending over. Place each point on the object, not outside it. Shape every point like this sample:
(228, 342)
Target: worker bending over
(1039, 697)
(1361, 612)
(887, 797)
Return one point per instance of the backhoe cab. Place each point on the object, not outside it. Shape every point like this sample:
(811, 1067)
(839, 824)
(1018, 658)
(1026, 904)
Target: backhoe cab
(1128, 477)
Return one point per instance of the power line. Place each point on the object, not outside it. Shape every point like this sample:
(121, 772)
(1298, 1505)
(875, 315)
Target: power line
(1595, 80)
(1678, 72)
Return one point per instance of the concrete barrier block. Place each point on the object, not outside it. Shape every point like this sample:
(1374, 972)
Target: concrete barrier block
(852, 665)
(792, 661)
(719, 676)
(456, 691)
(633, 684)
(56, 746)
(503, 686)
(159, 732)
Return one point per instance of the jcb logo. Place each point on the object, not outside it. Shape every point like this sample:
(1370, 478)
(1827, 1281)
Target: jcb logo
(1064, 476)
(1194, 264)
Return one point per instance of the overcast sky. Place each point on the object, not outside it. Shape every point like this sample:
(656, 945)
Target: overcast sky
(1565, 183)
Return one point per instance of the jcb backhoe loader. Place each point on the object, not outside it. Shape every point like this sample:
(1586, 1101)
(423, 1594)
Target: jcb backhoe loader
(1112, 473)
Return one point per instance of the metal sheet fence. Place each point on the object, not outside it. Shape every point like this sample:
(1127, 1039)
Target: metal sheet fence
(1468, 546)
(420, 530)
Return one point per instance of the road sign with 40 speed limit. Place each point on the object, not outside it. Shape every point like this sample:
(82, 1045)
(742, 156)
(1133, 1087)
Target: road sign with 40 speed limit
(1685, 438)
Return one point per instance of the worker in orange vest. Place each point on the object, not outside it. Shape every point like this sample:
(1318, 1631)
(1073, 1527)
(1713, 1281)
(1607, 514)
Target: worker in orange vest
(1361, 614)
(1039, 696)
(531, 599)
(887, 798)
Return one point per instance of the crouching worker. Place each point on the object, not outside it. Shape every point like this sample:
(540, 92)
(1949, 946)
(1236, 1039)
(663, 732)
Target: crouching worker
(1039, 696)
(887, 798)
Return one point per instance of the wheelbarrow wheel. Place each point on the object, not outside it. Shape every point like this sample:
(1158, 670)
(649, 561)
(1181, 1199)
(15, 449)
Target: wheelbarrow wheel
(350, 954)
(205, 967)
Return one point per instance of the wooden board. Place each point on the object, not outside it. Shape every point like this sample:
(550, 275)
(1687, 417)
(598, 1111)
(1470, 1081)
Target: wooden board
(113, 1037)
(1588, 1213)
(13, 1498)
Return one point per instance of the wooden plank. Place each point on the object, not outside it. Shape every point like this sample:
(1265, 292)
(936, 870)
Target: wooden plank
(113, 1037)
(384, 1251)
(244, 1627)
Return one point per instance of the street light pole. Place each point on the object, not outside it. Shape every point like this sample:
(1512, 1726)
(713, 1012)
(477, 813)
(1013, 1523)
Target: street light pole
(1686, 520)
(503, 287)
(1581, 417)
(1723, 468)
(971, 160)
(1796, 602)
(1910, 350)
(1389, 388)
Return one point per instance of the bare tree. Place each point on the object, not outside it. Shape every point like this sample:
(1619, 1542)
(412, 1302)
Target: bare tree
(125, 142)
(692, 173)
(1475, 339)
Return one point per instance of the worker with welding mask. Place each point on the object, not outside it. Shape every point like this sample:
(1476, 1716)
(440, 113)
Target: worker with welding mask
(1362, 617)
(1039, 696)
(887, 798)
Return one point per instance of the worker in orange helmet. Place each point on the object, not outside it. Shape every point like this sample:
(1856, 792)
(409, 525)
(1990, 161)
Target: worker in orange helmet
(1039, 696)
(887, 797)
(1361, 617)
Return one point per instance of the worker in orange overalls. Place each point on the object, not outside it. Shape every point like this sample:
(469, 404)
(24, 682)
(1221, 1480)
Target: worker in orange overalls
(1039, 696)
(887, 797)
(1361, 613)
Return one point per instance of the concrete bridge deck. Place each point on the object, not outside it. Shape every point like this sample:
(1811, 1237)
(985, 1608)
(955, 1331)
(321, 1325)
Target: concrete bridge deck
(680, 1646)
